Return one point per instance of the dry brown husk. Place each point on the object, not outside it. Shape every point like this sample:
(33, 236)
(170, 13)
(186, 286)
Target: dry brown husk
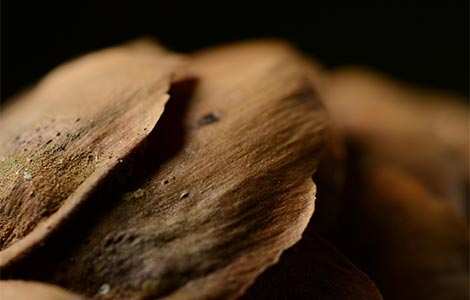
(221, 186)
(227, 186)
(239, 192)
(61, 139)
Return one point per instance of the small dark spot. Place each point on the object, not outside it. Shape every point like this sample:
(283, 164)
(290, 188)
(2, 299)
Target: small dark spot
(48, 142)
(184, 195)
(119, 237)
(77, 120)
(17, 138)
(108, 241)
(25, 149)
(57, 134)
(131, 238)
(37, 129)
(166, 181)
(30, 160)
(208, 119)
(67, 135)
(145, 129)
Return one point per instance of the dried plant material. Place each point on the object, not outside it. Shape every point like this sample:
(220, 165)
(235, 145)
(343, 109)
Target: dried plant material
(313, 269)
(406, 127)
(407, 172)
(17, 289)
(408, 239)
(59, 141)
(226, 194)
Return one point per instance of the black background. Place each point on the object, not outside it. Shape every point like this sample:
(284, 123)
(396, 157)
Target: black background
(423, 43)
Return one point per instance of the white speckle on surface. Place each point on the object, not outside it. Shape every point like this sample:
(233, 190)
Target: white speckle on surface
(17, 172)
(104, 289)
(3, 159)
(27, 176)
(120, 160)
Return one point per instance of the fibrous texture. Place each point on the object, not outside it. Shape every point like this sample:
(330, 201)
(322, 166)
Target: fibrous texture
(60, 140)
(215, 194)
(135, 173)
(222, 208)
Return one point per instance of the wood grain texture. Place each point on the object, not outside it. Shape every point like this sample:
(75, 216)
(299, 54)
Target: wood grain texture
(61, 139)
(230, 195)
